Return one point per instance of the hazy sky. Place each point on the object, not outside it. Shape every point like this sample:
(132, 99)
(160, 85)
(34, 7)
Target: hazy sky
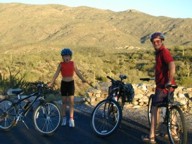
(170, 8)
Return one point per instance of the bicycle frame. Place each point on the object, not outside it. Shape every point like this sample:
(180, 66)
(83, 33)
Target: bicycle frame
(168, 103)
(46, 115)
(22, 111)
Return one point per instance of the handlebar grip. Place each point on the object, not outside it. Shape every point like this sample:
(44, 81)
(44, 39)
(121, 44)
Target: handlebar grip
(147, 79)
(171, 86)
(109, 77)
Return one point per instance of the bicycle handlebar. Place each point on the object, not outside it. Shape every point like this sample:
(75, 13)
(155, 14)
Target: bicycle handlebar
(167, 86)
(171, 86)
(110, 78)
(147, 79)
(122, 77)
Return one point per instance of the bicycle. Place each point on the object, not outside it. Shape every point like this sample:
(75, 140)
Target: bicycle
(107, 114)
(46, 115)
(169, 115)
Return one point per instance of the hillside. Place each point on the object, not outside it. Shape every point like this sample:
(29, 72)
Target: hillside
(104, 43)
(23, 24)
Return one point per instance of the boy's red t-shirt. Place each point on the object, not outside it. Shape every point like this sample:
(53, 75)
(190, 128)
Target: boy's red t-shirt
(67, 69)
(163, 57)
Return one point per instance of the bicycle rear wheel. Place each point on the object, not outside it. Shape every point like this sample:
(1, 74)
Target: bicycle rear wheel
(7, 114)
(47, 118)
(106, 117)
(176, 126)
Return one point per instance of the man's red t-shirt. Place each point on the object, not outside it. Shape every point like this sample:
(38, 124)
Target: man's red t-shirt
(163, 57)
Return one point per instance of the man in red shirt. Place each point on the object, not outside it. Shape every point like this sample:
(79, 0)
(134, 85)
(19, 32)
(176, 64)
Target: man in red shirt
(164, 75)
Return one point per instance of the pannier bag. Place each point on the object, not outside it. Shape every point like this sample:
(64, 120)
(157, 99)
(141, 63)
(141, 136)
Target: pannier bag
(129, 92)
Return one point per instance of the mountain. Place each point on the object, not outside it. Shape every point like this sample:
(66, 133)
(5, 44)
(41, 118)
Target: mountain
(23, 24)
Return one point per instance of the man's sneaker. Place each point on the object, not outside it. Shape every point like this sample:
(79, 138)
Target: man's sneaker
(64, 121)
(71, 123)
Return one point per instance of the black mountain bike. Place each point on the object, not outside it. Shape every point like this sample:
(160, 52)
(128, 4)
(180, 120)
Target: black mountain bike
(169, 115)
(46, 115)
(107, 115)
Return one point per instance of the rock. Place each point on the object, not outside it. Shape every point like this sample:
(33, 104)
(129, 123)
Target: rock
(136, 106)
(180, 95)
(183, 101)
(97, 95)
(2, 97)
(98, 99)
(127, 106)
(138, 96)
(142, 87)
(79, 99)
(90, 94)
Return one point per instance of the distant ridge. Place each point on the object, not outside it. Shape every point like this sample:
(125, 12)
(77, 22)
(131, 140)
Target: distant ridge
(23, 24)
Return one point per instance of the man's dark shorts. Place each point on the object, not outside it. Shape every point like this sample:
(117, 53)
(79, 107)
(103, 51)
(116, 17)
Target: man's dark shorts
(67, 88)
(160, 97)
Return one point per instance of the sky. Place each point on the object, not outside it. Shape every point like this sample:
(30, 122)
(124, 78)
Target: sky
(169, 8)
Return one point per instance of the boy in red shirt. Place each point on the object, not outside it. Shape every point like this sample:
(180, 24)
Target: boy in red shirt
(67, 68)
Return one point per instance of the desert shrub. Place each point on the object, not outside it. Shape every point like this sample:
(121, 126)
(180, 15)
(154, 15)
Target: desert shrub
(185, 81)
(14, 80)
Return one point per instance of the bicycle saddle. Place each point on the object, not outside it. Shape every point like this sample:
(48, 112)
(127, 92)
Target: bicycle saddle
(15, 91)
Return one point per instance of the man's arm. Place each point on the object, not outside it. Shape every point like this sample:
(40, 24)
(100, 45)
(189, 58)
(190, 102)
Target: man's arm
(171, 67)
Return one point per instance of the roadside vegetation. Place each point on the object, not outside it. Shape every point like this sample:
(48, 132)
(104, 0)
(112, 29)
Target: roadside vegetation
(95, 64)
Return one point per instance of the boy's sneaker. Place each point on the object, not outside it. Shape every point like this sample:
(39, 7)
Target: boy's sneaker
(71, 123)
(64, 121)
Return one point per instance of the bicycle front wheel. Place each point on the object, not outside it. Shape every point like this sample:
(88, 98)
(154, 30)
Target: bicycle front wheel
(7, 114)
(47, 118)
(176, 126)
(106, 117)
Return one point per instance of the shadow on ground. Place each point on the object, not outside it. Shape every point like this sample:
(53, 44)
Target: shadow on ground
(128, 132)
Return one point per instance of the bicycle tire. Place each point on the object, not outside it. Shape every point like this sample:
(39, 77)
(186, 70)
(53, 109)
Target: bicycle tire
(106, 118)
(176, 126)
(149, 110)
(7, 114)
(47, 118)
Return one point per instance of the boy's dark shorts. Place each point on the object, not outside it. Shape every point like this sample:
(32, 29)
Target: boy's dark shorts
(67, 88)
(160, 97)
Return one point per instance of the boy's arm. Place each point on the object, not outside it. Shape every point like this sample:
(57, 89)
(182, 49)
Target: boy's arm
(78, 73)
(55, 75)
